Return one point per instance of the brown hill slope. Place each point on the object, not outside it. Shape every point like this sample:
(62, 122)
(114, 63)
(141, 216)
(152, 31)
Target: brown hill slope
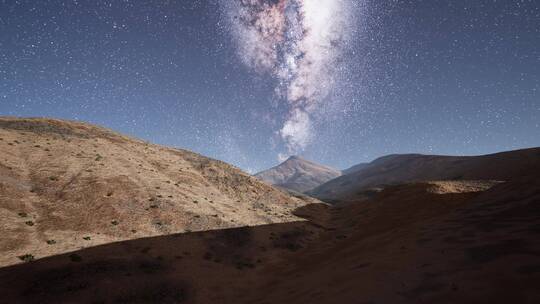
(298, 174)
(442, 242)
(68, 185)
(397, 169)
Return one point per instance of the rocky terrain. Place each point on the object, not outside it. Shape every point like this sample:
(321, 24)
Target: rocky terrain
(67, 185)
(397, 169)
(298, 174)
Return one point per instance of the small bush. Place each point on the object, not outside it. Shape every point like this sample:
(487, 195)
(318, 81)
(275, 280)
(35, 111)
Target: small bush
(29, 223)
(114, 222)
(22, 214)
(51, 242)
(53, 178)
(86, 238)
(98, 157)
(27, 258)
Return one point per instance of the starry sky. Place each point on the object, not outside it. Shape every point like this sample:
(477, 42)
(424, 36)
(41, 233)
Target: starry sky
(250, 82)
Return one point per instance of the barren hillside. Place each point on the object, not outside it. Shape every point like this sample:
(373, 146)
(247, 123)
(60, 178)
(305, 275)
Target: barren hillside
(68, 185)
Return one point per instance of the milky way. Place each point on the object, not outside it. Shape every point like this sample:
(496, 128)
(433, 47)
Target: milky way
(299, 43)
(242, 81)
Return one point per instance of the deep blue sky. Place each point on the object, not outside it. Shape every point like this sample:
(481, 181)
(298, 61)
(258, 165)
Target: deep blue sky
(441, 77)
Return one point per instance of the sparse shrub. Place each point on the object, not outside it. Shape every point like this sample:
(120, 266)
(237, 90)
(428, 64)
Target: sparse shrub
(27, 258)
(98, 157)
(53, 178)
(51, 242)
(109, 194)
(29, 223)
(195, 202)
(114, 222)
(22, 214)
(87, 238)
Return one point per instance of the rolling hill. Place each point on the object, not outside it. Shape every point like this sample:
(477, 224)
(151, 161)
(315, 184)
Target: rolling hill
(68, 185)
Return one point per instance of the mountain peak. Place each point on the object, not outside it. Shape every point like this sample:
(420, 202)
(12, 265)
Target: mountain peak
(298, 174)
(293, 157)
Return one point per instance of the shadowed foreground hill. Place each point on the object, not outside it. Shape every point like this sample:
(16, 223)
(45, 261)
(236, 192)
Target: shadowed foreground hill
(68, 185)
(406, 168)
(437, 242)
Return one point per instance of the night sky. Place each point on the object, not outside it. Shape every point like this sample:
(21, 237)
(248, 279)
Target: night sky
(251, 82)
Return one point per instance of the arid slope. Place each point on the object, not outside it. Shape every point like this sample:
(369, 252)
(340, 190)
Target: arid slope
(68, 185)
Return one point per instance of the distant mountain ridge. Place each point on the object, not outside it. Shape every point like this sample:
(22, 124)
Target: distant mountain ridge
(298, 174)
(405, 168)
